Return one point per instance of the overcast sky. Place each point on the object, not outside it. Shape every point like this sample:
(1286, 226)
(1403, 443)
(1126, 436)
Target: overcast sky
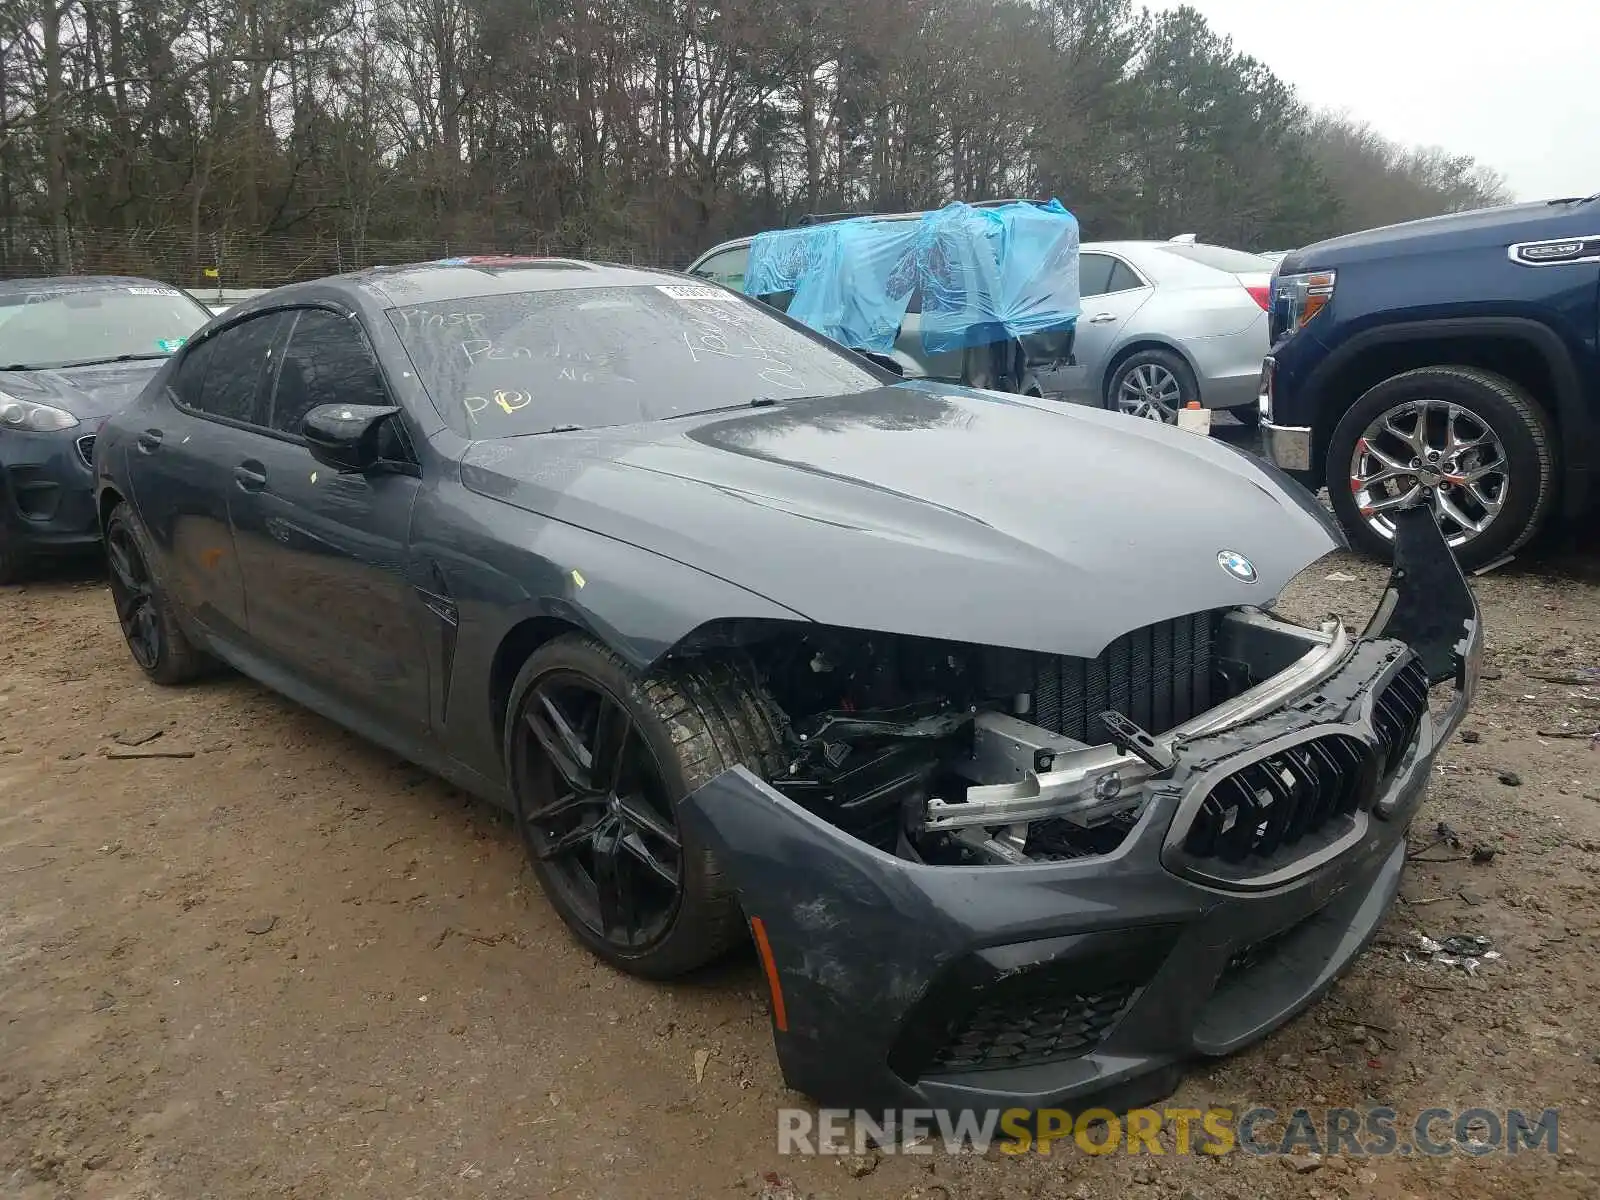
(1514, 83)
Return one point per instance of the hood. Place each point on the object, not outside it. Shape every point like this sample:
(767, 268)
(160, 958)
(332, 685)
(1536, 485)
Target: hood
(1453, 231)
(931, 510)
(85, 392)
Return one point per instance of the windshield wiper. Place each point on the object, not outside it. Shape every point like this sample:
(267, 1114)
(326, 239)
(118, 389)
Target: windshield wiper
(758, 402)
(100, 362)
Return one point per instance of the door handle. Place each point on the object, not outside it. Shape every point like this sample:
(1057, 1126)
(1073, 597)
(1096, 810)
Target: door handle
(150, 441)
(1102, 318)
(251, 476)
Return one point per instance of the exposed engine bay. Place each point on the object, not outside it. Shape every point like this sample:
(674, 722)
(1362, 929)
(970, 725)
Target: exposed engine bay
(950, 753)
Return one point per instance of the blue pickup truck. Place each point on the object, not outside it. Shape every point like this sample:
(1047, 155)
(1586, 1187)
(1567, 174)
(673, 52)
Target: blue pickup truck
(1456, 360)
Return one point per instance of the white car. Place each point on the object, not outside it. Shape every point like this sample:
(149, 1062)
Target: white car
(1167, 323)
(1162, 324)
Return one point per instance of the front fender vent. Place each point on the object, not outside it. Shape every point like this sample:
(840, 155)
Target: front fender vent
(441, 603)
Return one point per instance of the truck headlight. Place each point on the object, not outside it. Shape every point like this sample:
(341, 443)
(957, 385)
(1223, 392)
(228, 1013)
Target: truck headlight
(1303, 296)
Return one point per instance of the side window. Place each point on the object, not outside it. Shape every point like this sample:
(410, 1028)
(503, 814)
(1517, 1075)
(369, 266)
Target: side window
(190, 377)
(778, 300)
(726, 268)
(327, 362)
(1123, 279)
(1094, 274)
(233, 371)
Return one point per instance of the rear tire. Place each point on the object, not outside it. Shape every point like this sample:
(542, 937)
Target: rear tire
(1152, 385)
(1488, 405)
(692, 721)
(149, 624)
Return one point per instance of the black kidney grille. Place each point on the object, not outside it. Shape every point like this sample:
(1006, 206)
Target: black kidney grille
(1026, 1026)
(1269, 805)
(1159, 676)
(1397, 714)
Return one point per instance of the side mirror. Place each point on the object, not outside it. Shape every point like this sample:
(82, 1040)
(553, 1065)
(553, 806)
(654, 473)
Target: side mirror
(347, 437)
(886, 361)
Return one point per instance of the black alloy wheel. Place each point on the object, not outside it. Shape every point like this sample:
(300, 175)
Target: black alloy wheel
(133, 593)
(598, 758)
(149, 626)
(600, 811)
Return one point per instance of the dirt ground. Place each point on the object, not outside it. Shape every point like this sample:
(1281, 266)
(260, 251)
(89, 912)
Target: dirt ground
(291, 965)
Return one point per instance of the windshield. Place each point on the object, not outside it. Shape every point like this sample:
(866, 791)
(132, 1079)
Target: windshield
(533, 362)
(44, 328)
(1236, 261)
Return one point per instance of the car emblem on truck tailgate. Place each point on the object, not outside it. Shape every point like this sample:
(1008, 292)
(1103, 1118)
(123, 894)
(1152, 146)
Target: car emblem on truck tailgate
(1237, 565)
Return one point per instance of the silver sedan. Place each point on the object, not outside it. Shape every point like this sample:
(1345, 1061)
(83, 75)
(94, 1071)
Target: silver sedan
(1167, 323)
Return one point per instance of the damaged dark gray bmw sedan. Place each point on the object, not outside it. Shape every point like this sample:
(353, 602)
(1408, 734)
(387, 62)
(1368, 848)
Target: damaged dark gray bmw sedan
(972, 711)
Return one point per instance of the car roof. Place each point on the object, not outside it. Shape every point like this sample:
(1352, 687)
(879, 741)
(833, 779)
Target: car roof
(463, 278)
(1133, 245)
(1158, 261)
(75, 283)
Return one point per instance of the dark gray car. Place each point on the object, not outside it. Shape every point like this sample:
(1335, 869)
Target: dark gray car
(73, 349)
(961, 704)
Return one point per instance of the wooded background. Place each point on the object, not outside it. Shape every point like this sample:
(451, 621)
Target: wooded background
(276, 139)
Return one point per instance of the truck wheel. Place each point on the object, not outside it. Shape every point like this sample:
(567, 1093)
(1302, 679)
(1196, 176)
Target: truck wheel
(1471, 444)
(1153, 384)
(598, 759)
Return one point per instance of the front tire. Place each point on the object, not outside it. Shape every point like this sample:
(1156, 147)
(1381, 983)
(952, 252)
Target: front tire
(598, 759)
(149, 624)
(1153, 384)
(14, 567)
(1470, 443)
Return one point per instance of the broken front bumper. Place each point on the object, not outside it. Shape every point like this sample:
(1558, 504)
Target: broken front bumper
(900, 984)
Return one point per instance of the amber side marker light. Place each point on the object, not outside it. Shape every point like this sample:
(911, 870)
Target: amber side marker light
(780, 1017)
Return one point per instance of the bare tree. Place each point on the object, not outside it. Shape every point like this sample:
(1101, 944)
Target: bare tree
(177, 134)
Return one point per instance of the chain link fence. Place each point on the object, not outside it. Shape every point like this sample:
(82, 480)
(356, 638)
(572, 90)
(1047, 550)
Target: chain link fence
(221, 259)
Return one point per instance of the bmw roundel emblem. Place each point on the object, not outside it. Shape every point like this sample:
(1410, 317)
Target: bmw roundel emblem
(1237, 565)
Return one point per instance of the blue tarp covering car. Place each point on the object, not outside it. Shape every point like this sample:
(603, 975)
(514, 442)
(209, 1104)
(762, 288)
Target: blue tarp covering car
(984, 274)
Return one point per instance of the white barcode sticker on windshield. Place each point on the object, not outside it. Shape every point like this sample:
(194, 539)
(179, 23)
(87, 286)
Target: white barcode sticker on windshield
(695, 291)
(153, 291)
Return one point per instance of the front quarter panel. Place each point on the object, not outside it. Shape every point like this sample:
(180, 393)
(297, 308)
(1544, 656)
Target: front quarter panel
(502, 567)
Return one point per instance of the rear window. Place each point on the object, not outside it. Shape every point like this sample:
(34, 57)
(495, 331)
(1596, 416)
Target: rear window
(534, 362)
(726, 268)
(1238, 262)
